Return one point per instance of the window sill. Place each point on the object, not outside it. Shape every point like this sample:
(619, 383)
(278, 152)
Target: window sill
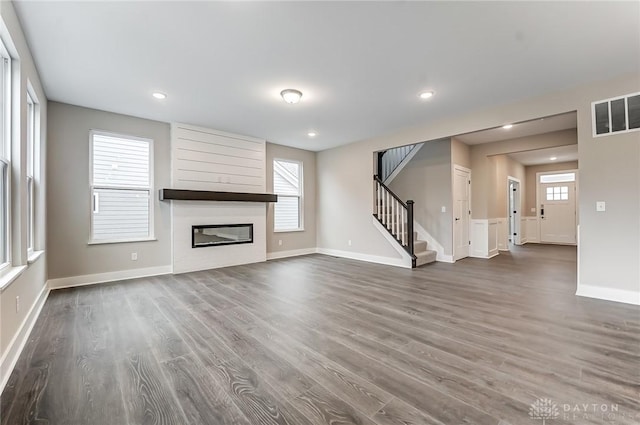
(289, 230)
(121, 241)
(33, 256)
(9, 276)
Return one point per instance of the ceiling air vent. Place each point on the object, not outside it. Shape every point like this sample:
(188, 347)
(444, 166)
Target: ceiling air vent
(616, 115)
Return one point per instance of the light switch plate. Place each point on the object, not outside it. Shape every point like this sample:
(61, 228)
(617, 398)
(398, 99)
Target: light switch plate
(601, 206)
(444, 209)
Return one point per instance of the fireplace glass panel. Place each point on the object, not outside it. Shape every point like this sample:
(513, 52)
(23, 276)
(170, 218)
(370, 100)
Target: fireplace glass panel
(221, 234)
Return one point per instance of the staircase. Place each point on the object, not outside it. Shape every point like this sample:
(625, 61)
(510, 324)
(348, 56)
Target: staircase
(392, 161)
(423, 255)
(396, 217)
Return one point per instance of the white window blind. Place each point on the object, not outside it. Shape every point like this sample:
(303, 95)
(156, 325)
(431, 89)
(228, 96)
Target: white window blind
(121, 188)
(287, 184)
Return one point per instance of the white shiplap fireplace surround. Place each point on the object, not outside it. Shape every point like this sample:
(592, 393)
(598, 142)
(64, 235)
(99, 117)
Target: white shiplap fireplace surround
(204, 159)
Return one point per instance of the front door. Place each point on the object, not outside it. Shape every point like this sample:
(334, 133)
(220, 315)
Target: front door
(461, 212)
(557, 212)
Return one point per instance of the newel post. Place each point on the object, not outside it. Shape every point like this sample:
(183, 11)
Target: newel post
(410, 225)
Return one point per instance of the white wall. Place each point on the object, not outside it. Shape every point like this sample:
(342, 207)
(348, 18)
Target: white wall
(610, 252)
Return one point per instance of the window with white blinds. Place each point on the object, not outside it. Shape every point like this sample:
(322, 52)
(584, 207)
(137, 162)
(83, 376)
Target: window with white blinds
(121, 188)
(5, 163)
(287, 184)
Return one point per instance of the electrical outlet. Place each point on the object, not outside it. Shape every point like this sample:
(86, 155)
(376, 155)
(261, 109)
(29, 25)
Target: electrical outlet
(279, 242)
(134, 256)
(444, 209)
(349, 242)
(18, 304)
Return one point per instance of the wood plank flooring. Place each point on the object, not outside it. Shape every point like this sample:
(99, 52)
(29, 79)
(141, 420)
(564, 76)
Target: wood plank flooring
(321, 340)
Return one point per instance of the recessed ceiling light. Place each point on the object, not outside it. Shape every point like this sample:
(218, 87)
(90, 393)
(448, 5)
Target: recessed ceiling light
(507, 126)
(553, 158)
(159, 95)
(291, 95)
(427, 94)
(312, 134)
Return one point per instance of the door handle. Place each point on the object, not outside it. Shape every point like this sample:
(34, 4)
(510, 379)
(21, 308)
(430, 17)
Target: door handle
(457, 218)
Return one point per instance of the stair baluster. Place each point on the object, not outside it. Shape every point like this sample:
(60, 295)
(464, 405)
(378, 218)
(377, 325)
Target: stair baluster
(395, 216)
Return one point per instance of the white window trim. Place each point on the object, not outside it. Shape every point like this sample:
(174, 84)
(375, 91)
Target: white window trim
(33, 165)
(576, 186)
(626, 112)
(92, 187)
(5, 153)
(300, 228)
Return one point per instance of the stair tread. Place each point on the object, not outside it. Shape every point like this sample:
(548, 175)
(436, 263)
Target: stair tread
(425, 253)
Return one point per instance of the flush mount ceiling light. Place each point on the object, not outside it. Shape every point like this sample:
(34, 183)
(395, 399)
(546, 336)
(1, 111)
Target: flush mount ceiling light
(553, 158)
(291, 96)
(427, 94)
(312, 134)
(159, 95)
(507, 126)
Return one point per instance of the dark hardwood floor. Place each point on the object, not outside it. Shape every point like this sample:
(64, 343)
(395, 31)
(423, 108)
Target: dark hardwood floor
(322, 340)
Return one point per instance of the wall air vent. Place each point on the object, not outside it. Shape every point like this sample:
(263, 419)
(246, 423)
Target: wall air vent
(616, 115)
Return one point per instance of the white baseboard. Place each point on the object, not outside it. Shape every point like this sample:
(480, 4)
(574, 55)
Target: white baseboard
(11, 356)
(90, 279)
(486, 257)
(443, 258)
(398, 262)
(609, 294)
(290, 253)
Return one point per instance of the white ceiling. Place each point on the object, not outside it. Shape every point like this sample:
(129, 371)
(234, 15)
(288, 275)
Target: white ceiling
(542, 156)
(528, 128)
(360, 65)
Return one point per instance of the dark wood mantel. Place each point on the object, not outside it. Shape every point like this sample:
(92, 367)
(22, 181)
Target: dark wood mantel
(206, 195)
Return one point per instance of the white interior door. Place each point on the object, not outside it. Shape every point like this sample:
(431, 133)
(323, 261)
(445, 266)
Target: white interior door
(557, 212)
(461, 212)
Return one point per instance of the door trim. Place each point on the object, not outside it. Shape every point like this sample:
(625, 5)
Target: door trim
(518, 239)
(453, 212)
(577, 198)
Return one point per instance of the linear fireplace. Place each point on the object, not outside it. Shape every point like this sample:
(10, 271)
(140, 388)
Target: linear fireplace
(221, 234)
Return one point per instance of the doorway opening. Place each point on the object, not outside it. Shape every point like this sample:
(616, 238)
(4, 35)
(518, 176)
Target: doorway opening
(557, 195)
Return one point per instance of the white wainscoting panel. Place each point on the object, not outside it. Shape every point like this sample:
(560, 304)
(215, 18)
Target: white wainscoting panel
(484, 238)
(492, 237)
(189, 213)
(503, 234)
(532, 229)
(479, 242)
(205, 159)
(523, 231)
